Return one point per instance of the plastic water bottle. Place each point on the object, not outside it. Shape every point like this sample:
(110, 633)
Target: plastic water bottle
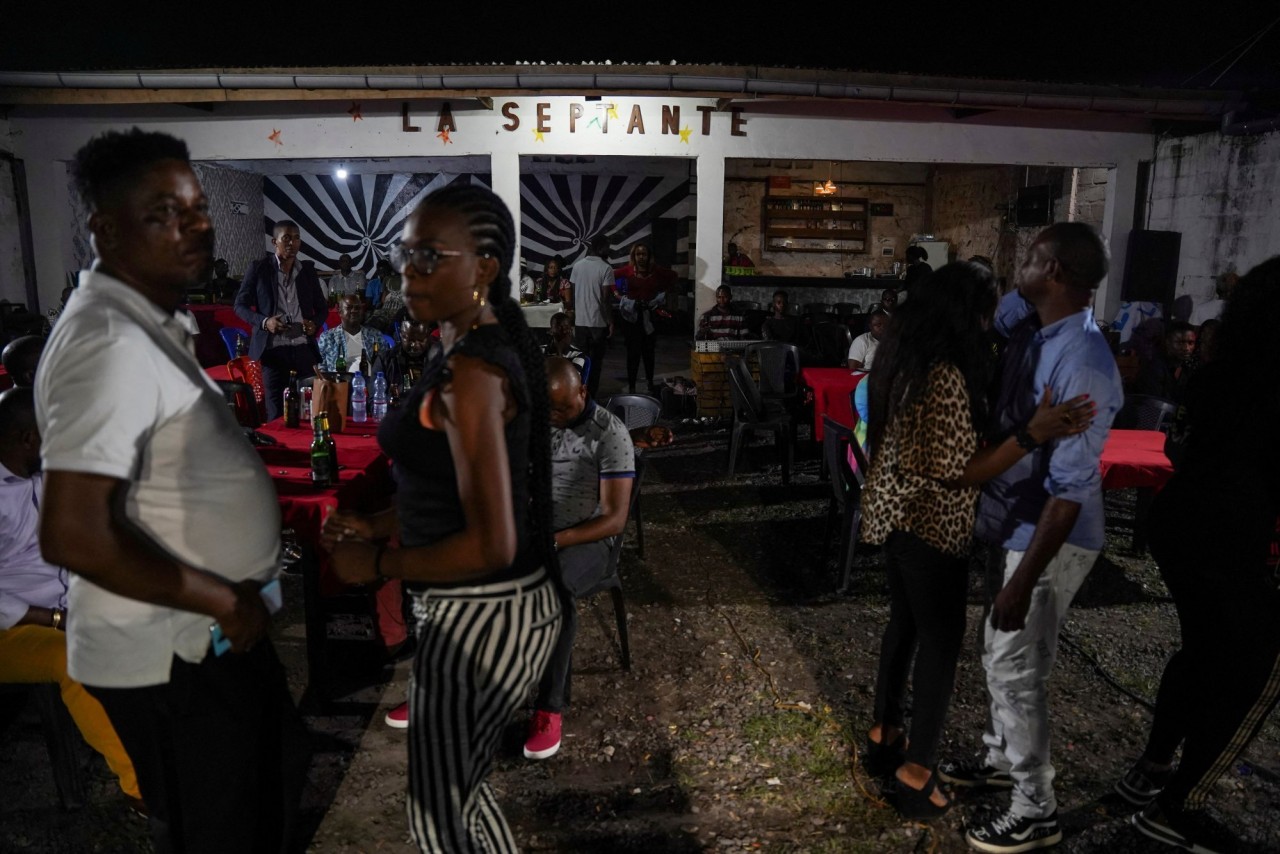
(358, 398)
(379, 396)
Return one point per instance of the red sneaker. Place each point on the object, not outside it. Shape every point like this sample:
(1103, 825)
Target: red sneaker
(398, 718)
(544, 735)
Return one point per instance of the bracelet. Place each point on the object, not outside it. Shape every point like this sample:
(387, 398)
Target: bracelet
(55, 619)
(377, 561)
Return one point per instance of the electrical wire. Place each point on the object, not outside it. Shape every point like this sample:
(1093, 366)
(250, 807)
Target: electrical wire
(1256, 39)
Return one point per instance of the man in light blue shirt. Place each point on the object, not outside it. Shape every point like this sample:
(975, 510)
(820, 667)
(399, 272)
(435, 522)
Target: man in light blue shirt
(1045, 515)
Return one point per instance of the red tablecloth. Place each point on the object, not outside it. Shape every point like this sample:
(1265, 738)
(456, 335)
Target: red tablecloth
(6, 381)
(831, 390)
(1135, 459)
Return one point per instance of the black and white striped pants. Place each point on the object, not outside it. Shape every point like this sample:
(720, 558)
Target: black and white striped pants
(480, 651)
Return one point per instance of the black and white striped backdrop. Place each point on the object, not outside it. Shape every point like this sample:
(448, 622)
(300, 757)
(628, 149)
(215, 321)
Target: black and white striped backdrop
(362, 215)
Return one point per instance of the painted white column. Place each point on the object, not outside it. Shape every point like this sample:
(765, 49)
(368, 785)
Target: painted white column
(50, 229)
(706, 267)
(1117, 221)
(505, 170)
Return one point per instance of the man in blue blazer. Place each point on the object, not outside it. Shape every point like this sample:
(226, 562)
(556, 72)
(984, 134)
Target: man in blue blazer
(281, 299)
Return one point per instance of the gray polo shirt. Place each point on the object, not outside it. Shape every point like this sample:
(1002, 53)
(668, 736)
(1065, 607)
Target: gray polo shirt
(593, 448)
(111, 400)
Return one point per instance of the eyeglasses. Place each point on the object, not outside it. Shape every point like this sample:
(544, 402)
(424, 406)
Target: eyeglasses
(424, 259)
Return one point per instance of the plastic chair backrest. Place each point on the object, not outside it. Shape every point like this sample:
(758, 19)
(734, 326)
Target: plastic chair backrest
(779, 365)
(742, 306)
(585, 370)
(242, 401)
(747, 402)
(815, 308)
(833, 342)
(248, 371)
(836, 438)
(230, 335)
(1148, 412)
(844, 309)
(388, 340)
(635, 410)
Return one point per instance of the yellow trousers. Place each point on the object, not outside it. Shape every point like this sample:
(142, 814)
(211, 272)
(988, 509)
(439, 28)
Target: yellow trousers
(39, 654)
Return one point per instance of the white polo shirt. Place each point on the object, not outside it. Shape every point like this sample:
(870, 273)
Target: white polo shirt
(110, 400)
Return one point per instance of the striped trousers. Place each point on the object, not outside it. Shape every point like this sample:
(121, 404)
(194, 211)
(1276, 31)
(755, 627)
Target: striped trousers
(1219, 688)
(481, 650)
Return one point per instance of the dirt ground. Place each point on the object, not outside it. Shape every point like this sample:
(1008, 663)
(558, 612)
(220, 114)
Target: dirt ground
(736, 727)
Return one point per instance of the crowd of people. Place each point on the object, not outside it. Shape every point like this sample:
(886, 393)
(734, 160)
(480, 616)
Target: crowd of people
(123, 579)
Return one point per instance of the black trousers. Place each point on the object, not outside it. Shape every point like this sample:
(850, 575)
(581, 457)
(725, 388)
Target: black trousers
(927, 593)
(220, 750)
(593, 340)
(639, 346)
(1219, 688)
(581, 568)
(277, 362)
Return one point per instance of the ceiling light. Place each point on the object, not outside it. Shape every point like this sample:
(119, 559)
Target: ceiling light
(341, 173)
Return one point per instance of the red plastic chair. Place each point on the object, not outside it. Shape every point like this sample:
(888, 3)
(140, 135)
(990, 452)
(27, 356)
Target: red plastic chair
(249, 371)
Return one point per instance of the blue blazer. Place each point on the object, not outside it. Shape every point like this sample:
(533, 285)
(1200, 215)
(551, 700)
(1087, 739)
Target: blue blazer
(256, 301)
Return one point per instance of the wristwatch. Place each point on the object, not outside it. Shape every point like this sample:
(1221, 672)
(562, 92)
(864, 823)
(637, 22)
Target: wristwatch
(1024, 440)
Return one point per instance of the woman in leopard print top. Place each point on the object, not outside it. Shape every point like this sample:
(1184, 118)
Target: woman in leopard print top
(927, 403)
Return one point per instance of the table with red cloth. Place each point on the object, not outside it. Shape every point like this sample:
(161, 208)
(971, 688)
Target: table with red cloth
(832, 388)
(211, 319)
(364, 484)
(1135, 459)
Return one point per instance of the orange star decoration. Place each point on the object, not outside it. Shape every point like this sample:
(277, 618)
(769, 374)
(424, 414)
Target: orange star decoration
(354, 110)
(444, 137)
(537, 135)
(274, 136)
(684, 134)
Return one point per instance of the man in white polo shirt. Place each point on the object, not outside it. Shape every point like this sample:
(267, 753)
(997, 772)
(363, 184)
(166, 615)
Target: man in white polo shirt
(587, 298)
(165, 517)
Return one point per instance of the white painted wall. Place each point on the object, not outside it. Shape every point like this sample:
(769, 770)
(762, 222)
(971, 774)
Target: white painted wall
(13, 284)
(1223, 194)
(244, 131)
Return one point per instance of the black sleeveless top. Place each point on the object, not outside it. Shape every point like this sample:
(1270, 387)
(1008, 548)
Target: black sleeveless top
(427, 499)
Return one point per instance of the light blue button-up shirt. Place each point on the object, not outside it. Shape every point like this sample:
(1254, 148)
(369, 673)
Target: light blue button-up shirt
(1071, 357)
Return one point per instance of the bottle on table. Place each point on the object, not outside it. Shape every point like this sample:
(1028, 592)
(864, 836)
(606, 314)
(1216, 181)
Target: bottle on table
(323, 472)
(358, 398)
(379, 396)
(242, 346)
(292, 401)
(329, 445)
(340, 363)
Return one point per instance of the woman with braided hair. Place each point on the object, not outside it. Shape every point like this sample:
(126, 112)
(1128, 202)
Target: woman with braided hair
(472, 448)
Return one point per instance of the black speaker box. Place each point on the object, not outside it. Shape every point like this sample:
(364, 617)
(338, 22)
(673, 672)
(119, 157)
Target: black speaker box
(1151, 266)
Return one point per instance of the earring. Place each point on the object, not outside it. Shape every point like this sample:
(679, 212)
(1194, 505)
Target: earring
(475, 297)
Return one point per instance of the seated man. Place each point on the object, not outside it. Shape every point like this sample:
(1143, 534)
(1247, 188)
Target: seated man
(20, 358)
(721, 321)
(1165, 375)
(528, 287)
(33, 593)
(780, 325)
(345, 280)
(561, 343)
(351, 338)
(223, 288)
(862, 352)
(405, 362)
(592, 467)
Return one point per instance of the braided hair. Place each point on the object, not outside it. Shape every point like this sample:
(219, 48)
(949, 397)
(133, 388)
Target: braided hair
(491, 227)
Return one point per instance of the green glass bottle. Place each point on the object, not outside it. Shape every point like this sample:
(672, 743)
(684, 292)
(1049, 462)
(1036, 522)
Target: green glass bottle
(323, 472)
(331, 447)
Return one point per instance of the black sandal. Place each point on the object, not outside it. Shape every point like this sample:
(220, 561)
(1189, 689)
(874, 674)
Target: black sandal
(918, 803)
(881, 760)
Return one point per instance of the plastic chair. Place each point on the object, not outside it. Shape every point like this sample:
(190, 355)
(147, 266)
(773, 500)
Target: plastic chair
(779, 370)
(635, 410)
(847, 481)
(230, 336)
(240, 399)
(752, 413)
(388, 340)
(1146, 412)
(819, 308)
(832, 341)
(846, 309)
(61, 738)
(585, 370)
(743, 306)
(246, 370)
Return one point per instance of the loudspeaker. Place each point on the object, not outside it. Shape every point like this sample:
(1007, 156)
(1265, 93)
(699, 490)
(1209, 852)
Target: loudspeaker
(1151, 266)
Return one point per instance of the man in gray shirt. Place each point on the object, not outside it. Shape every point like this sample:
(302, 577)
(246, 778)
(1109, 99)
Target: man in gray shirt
(587, 299)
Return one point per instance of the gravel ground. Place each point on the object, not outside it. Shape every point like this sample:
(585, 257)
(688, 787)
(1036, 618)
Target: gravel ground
(735, 729)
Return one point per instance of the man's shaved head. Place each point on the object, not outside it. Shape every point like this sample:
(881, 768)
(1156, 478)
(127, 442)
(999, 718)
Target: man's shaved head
(568, 396)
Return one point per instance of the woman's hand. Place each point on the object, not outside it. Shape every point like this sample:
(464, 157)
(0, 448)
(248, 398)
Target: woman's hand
(353, 562)
(1065, 419)
(344, 526)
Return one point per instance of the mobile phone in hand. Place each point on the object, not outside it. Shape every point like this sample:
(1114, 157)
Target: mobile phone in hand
(272, 597)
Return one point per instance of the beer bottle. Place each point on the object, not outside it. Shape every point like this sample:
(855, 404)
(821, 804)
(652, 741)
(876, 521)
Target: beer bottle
(330, 445)
(292, 409)
(340, 363)
(323, 472)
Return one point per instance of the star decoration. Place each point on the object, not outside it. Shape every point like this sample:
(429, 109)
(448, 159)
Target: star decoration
(443, 136)
(354, 110)
(596, 122)
(684, 134)
(274, 136)
(613, 112)
(537, 135)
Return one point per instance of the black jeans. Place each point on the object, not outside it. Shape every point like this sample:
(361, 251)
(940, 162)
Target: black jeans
(581, 568)
(593, 340)
(277, 362)
(639, 345)
(221, 753)
(927, 593)
(1219, 687)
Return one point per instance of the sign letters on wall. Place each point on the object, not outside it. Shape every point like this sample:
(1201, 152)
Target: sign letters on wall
(663, 119)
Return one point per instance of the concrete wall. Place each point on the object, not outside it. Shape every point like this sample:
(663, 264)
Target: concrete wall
(238, 235)
(1223, 194)
(13, 285)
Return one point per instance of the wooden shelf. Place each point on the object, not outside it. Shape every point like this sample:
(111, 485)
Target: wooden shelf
(816, 233)
(787, 217)
(852, 216)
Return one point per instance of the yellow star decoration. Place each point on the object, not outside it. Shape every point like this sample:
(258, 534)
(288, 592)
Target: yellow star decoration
(613, 112)
(537, 135)
(684, 134)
